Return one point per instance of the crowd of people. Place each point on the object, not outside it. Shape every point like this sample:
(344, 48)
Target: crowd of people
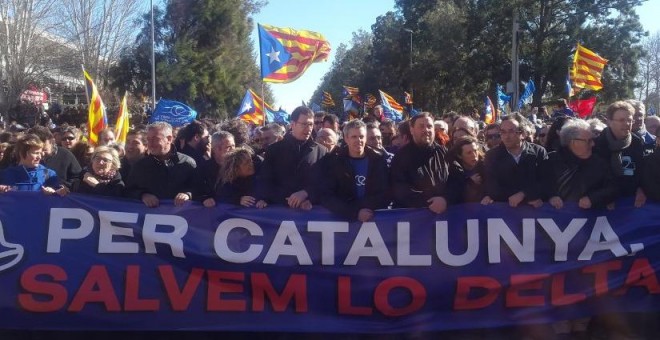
(356, 167)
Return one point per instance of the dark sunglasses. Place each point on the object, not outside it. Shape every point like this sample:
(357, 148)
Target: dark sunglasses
(69, 138)
(495, 136)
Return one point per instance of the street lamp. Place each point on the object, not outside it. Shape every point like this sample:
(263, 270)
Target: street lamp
(411, 65)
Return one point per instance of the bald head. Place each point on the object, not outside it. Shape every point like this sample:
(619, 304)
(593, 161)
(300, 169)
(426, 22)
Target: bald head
(327, 137)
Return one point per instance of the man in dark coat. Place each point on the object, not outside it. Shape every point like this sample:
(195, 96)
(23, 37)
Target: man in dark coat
(285, 176)
(420, 169)
(512, 168)
(354, 179)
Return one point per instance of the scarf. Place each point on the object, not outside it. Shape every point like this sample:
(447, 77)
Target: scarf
(105, 177)
(616, 146)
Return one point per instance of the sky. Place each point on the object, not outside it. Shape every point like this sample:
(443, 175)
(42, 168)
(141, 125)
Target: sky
(337, 20)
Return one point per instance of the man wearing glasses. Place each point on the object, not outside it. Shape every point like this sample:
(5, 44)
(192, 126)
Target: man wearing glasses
(286, 173)
(512, 170)
(492, 136)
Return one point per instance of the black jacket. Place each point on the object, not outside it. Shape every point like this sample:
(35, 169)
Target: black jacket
(163, 179)
(462, 187)
(632, 158)
(337, 183)
(287, 168)
(572, 178)
(113, 188)
(212, 186)
(65, 165)
(419, 173)
(505, 177)
(651, 176)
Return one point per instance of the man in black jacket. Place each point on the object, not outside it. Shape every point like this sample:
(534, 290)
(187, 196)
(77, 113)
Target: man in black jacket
(420, 169)
(512, 168)
(354, 177)
(623, 150)
(164, 173)
(285, 176)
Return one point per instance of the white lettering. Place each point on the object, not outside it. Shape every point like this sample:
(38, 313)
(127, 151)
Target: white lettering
(328, 231)
(442, 244)
(368, 233)
(108, 230)
(296, 247)
(174, 238)
(602, 231)
(57, 232)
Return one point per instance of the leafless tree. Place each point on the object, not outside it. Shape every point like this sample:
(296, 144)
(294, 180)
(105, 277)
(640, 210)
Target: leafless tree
(100, 29)
(649, 75)
(24, 53)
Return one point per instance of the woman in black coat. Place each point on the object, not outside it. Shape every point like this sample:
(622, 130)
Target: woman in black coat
(102, 176)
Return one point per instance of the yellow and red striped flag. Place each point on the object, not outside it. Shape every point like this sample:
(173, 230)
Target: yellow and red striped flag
(389, 102)
(587, 69)
(252, 108)
(123, 124)
(97, 119)
(287, 53)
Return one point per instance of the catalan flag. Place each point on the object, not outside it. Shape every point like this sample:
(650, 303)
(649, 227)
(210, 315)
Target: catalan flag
(97, 119)
(122, 126)
(490, 114)
(392, 108)
(371, 101)
(252, 108)
(287, 53)
(587, 69)
(327, 100)
(352, 93)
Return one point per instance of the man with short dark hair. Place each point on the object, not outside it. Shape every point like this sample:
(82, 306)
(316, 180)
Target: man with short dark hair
(420, 169)
(375, 141)
(492, 135)
(61, 160)
(285, 175)
(196, 138)
(331, 121)
(354, 179)
(135, 149)
(513, 168)
(164, 173)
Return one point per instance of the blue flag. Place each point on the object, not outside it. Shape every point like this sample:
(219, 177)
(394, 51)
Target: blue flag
(280, 116)
(502, 98)
(526, 97)
(173, 112)
(315, 107)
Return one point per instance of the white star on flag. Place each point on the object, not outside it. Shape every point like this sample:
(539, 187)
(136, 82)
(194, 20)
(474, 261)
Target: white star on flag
(247, 107)
(273, 55)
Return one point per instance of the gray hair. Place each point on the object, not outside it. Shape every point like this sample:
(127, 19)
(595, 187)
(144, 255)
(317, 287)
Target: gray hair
(637, 105)
(219, 136)
(353, 124)
(164, 127)
(277, 129)
(107, 149)
(571, 130)
(596, 124)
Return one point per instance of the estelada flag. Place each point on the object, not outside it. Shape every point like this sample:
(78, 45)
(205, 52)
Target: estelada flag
(252, 108)
(97, 120)
(287, 53)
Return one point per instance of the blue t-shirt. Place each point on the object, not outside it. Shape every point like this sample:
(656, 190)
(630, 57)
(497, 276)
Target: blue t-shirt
(22, 178)
(360, 166)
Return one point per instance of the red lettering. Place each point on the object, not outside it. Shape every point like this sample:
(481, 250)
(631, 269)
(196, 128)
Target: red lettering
(295, 287)
(381, 296)
(96, 287)
(558, 295)
(180, 298)
(520, 283)
(132, 300)
(464, 286)
(57, 294)
(600, 274)
(641, 274)
(344, 299)
(218, 285)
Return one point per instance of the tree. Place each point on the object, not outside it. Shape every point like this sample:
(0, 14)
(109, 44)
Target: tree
(649, 76)
(24, 53)
(99, 29)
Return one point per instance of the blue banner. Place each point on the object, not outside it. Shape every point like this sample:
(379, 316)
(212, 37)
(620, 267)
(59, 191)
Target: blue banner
(173, 112)
(83, 262)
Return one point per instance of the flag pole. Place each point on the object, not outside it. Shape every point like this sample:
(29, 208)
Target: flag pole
(263, 104)
(153, 61)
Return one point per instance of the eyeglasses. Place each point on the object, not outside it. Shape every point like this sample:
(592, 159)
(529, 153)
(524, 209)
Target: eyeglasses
(69, 138)
(102, 160)
(493, 136)
(305, 124)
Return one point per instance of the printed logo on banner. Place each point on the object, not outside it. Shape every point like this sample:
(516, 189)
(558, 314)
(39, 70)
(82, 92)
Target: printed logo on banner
(10, 253)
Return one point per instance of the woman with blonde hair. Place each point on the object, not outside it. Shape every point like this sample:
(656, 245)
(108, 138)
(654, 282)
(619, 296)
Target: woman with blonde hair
(102, 176)
(237, 183)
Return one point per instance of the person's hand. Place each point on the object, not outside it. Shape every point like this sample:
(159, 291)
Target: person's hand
(365, 215)
(47, 190)
(297, 198)
(62, 191)
(585, 203)
(247, 201)
(537, 203)
(260, 204)
(151, 201)
(556, 202)
(486, 200)
(476, 178)
(90, 180)
(4, 188)
(640, 198)
(516, 198)
(437, 204)
(306, 205)
(209, 202)
(180, 198)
